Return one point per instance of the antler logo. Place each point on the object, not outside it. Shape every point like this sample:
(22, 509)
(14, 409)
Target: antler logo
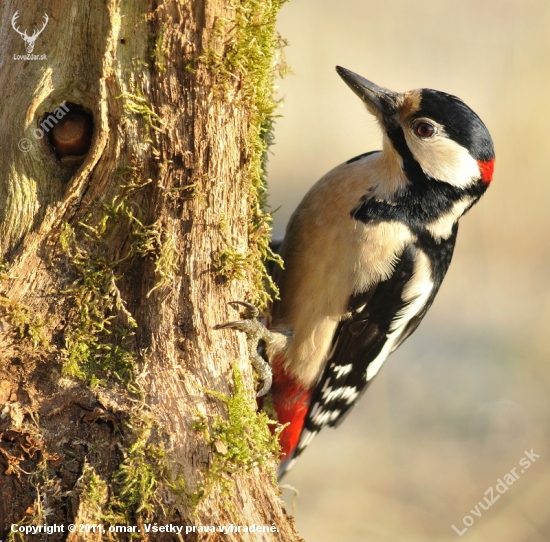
(29, 40)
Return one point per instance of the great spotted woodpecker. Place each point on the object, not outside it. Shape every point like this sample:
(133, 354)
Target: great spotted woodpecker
(365, 253)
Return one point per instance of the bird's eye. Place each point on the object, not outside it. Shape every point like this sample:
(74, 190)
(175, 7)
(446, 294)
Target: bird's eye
(424, 129)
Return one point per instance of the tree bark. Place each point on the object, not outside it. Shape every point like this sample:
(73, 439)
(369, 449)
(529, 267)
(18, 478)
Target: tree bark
(119, 403)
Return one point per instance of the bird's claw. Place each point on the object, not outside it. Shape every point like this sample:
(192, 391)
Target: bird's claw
(252, 310)
(242, 325)
(255, 331)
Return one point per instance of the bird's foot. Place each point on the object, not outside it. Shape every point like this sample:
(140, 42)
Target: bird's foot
(255, 332)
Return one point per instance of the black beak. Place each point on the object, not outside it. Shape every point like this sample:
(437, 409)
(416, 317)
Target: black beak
(379, 101)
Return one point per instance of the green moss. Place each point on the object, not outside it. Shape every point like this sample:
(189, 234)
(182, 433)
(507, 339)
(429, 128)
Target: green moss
(245, 438)
(135, 482)
(190, 499)
(139, 105)
(253, 56)
(98, 344)
(132, 491)
(159, 50)
(189, 191)
(28, 325)
(94, 494)
(232, 264)
(154, 242)
(240, 441)
(95, 348)
(97, 351)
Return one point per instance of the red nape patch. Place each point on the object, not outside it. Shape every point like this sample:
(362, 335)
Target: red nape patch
(486, 169)
(291, 401)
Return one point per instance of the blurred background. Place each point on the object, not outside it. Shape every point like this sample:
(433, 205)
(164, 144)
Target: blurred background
(456, 407)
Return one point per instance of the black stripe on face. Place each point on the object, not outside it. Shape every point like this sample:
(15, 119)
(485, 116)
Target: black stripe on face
(422, 200)
(420, 203)
(461, 124)
(426, 199)
(411, 167)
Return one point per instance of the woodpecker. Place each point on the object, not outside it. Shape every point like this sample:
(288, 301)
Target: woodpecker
(365, 253)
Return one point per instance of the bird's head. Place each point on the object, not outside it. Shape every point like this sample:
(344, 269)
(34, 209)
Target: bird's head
(436, 135)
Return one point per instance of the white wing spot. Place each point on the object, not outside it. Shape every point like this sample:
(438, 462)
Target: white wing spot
(341, 370)
(350, 395)
(346, 392)
(315, 409)
(322, 418)
(327, 392)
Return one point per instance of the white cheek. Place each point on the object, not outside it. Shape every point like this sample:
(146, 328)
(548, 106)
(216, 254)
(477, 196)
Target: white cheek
(443, 159)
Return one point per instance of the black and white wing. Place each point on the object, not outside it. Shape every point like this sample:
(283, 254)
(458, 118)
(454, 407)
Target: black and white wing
(380, 320)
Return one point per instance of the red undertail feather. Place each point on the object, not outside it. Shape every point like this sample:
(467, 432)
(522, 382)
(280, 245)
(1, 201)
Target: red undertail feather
(291, 401)
(486, 169)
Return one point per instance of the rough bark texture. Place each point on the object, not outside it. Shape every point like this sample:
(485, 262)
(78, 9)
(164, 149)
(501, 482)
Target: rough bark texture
(110, 278)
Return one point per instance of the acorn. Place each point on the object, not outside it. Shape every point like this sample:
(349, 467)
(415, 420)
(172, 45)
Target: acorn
(72, 135)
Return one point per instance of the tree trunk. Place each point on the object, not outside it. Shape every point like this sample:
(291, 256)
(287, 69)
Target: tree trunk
(119, 403)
